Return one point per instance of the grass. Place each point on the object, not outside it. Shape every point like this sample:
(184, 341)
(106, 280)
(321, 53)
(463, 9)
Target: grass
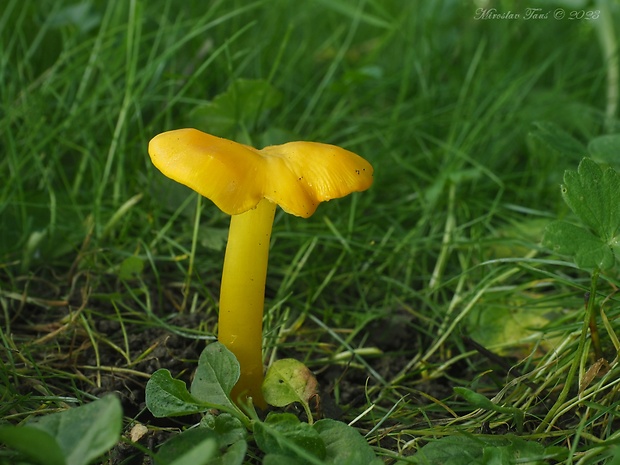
(109, 271)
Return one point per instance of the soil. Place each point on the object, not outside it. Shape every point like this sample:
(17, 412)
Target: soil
(57, 338)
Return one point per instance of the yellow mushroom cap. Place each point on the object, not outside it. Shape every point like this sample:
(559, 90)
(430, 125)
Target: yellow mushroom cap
(297, 175)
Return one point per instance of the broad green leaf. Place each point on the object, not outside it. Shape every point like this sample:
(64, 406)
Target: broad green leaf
(606, 149)
(287, 381)
(217, 373)
(201, 445)
(588, 251)
(72, 437)
(451, 450)
(85, 432)
(509, 327)
(278, 459)
(344, 444)
(515, 451)
(234, 455)
(202, 453)
(592, 194)
(284, 434)
(33, 443)
(168, 397)
(196, 446)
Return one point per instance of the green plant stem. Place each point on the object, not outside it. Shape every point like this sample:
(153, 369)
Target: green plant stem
(192, 255)
(549, 419)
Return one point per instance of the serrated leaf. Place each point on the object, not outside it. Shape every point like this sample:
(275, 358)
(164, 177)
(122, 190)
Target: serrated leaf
(287, 381)
(169, 397)
(218, 371)
(592, 194)
(344, 444)
(588, 251)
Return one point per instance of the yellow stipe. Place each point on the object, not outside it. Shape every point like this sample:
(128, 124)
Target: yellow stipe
(242, 295)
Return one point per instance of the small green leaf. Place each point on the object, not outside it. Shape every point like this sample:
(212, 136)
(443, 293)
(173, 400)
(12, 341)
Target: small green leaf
(287, 381)
(168, 397)
(131, 268)
(481, 402)
(218, 371)
(229, 429)
(475, 399)
(284, 434)
(344, 444)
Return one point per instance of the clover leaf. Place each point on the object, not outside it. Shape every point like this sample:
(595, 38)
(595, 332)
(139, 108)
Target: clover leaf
(592, 193)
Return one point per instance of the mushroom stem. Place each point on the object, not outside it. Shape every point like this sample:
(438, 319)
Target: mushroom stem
(242, 295)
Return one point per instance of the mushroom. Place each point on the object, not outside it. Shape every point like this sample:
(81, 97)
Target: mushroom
(247, 184)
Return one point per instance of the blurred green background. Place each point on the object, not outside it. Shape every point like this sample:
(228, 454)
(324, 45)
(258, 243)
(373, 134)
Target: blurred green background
(422, 89)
